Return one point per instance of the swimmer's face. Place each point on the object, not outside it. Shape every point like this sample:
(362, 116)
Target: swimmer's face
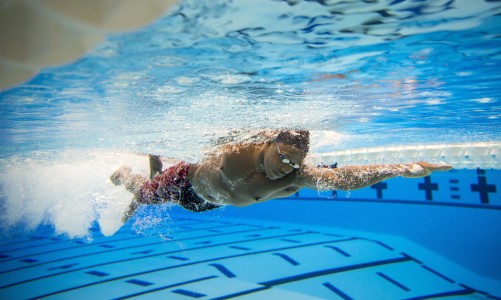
(281, 159)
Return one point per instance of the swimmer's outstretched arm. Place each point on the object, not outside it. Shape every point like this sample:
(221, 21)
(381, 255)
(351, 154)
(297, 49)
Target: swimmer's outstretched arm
(356, 177)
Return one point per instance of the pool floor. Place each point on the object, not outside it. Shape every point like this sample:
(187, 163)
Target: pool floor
(220, 259)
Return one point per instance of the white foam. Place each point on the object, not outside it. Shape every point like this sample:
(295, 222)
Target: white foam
(69, 191)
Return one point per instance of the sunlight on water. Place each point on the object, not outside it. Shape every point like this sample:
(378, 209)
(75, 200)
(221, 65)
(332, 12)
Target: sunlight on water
(377, 72)
(358, 74)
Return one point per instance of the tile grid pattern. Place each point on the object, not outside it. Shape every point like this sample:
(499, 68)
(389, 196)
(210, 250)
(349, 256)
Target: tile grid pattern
(470, 188)
(218, 260)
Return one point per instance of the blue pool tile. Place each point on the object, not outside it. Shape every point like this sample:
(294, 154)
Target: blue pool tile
(292, 264)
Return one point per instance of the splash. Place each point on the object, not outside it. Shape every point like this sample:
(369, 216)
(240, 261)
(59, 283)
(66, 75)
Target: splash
(70, 191)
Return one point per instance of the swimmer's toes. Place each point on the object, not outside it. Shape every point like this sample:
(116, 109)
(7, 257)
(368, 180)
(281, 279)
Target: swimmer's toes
(119, 176)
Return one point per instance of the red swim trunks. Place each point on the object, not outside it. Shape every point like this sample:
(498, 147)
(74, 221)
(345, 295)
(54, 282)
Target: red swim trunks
(173, 185)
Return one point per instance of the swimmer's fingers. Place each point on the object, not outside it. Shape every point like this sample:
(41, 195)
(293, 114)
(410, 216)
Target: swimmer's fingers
(423, 169)
(434, 167)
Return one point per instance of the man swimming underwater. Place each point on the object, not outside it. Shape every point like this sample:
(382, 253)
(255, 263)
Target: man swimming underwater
(247, 173)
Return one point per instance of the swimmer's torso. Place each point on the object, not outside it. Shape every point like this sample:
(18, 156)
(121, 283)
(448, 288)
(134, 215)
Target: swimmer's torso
(234, 176)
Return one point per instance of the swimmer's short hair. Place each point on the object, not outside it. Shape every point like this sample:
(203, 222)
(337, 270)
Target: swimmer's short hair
(297, 138)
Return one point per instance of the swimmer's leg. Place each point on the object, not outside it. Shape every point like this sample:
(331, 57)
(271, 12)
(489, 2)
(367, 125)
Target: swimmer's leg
(120, 175)
(134, 205)
(133, 183)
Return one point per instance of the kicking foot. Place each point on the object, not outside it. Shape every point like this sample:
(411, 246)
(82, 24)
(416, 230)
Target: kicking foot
(120, 175)
(155, 165)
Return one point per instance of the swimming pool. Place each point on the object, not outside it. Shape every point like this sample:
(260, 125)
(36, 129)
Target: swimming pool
(374, 81)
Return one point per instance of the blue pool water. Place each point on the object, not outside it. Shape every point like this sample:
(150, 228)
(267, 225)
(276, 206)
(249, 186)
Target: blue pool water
(366, 75)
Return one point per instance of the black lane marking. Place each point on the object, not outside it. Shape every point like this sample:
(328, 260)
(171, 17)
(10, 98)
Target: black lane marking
(142, 252)
(291, 241)
(411, 202)
(158, 254)
(80, 245)
(189, 264)
(337, 291)
(428, 187)
(223, 270)
(253, 235)
(63, 267)
(379, 187)
(129, 259)
(383, 244)
(165, 287)
(483, 188)
(466, 291)
(203, 243)
(247, 292)
(438, 274)
(189, 293)
(415, 259)
(333, 234)
(239, 248)
(393, 281)
(346, 254)
(119, 249)
(55, 241)
(209, 228)
(178, 257)
(272, 283)
(333, 271)
(24, 240)
(139, 282)
(33, 246)
(97, 273)
(287, 259)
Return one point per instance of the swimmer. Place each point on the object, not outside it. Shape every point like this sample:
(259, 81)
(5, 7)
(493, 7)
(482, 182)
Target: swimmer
(247, 173)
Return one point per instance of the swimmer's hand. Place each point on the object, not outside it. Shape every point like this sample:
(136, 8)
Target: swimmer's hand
(423, 169)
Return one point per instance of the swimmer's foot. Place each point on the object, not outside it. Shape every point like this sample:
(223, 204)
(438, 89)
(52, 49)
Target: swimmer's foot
(131, 211)
(155, 165)
(120, 175)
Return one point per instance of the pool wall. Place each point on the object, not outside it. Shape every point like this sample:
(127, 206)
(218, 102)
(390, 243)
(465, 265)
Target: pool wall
(456, 215)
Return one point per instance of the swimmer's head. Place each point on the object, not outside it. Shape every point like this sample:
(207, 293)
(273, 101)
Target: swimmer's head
(297, 138)
(285, 153)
